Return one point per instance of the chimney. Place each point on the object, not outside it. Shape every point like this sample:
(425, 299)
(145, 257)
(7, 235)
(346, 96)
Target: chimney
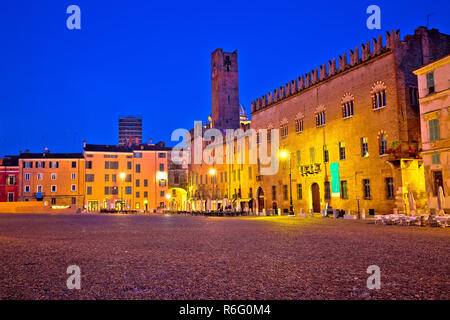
(84, 144)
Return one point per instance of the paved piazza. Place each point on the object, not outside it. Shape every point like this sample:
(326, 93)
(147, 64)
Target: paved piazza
(184, 257)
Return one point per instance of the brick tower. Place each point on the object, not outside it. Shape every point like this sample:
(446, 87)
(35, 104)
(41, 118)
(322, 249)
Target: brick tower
(224, 90)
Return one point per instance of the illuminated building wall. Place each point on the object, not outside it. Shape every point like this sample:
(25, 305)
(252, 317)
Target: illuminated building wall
(357, 115)
(55, 178)
(9, 179)
(434, 93)
(128, 178)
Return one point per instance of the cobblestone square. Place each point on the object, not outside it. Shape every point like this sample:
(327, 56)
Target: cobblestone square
(185, 257)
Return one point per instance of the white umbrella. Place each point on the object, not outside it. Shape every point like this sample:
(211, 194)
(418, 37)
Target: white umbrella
(440, 199)
(412, 202)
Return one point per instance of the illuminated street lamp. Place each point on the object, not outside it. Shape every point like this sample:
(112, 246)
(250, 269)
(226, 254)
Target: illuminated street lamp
(122, 177)
(284, 154)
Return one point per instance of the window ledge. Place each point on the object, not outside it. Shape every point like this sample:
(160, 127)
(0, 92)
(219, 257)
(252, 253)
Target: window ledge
(349, 117)
(380, 108)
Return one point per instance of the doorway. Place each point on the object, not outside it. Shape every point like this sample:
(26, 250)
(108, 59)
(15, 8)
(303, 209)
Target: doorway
(260, 199)
(315, 193)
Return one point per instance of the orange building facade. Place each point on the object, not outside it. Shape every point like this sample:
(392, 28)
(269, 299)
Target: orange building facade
(55, 178)
(121, 178)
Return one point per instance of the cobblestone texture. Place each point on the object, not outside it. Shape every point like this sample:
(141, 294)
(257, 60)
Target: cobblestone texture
(184, 257)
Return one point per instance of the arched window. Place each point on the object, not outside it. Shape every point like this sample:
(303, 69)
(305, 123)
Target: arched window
(348, 104)
(383, 144)
(378, 95)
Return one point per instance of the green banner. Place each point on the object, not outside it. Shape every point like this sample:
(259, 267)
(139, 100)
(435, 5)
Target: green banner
(335, 182)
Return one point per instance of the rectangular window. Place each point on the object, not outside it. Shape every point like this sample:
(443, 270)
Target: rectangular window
(285, 192)
(389, 188)
(53, 188)
(27, 177)
(383, 144)
(129, 165)
(113, 178)
(138, 194)
(53, 200)
(298, 158)
(344, 190)
(138, 154)
(74, 176)
(128, 178)
(225, 175)
(364, 148)
(27, 189)
(430, 82)
(299, 192)
(39, 176)
(10, 196)
(145, 183)
(161, 167)
(221, 177)
(326, 158)
(54, 164)
(161, 155)
(127, 190)
(73, 187)
(107, 191)
(88, 164)
(74, 164)
(11, 180)
(89, 178)
(53, 176)
(341, 151)
(145, 194)
(434, 130)
(89, 190)
(162, 183)
(161, 193)
(366, 188)
(138, 182)
(106, 177)
(284, 131)
(436, 158)
(138, 168)
(327, 190)
(39, 189)
(274, 193)
(74, 200)
(312, 156)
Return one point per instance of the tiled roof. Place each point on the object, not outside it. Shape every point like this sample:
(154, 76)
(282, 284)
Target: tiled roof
(49, 155)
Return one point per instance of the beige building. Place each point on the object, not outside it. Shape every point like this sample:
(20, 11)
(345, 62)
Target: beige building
(434, 97)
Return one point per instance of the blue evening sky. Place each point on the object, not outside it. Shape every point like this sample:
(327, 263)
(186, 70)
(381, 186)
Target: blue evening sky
(59, 87)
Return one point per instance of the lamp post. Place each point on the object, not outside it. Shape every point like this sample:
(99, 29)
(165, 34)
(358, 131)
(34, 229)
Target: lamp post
(212, 173)
(284, 154)
(168, 196)
(122, 177)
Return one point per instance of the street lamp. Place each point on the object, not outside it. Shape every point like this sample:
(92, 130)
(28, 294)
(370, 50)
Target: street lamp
(168, 196)
(122, 177)
(212, 173)
(284, 154)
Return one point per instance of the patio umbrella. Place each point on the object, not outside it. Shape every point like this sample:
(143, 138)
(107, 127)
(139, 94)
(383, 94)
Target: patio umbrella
(412, 202)
(440, 199)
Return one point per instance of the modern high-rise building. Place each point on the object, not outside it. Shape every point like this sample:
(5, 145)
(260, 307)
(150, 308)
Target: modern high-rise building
(130, 131)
